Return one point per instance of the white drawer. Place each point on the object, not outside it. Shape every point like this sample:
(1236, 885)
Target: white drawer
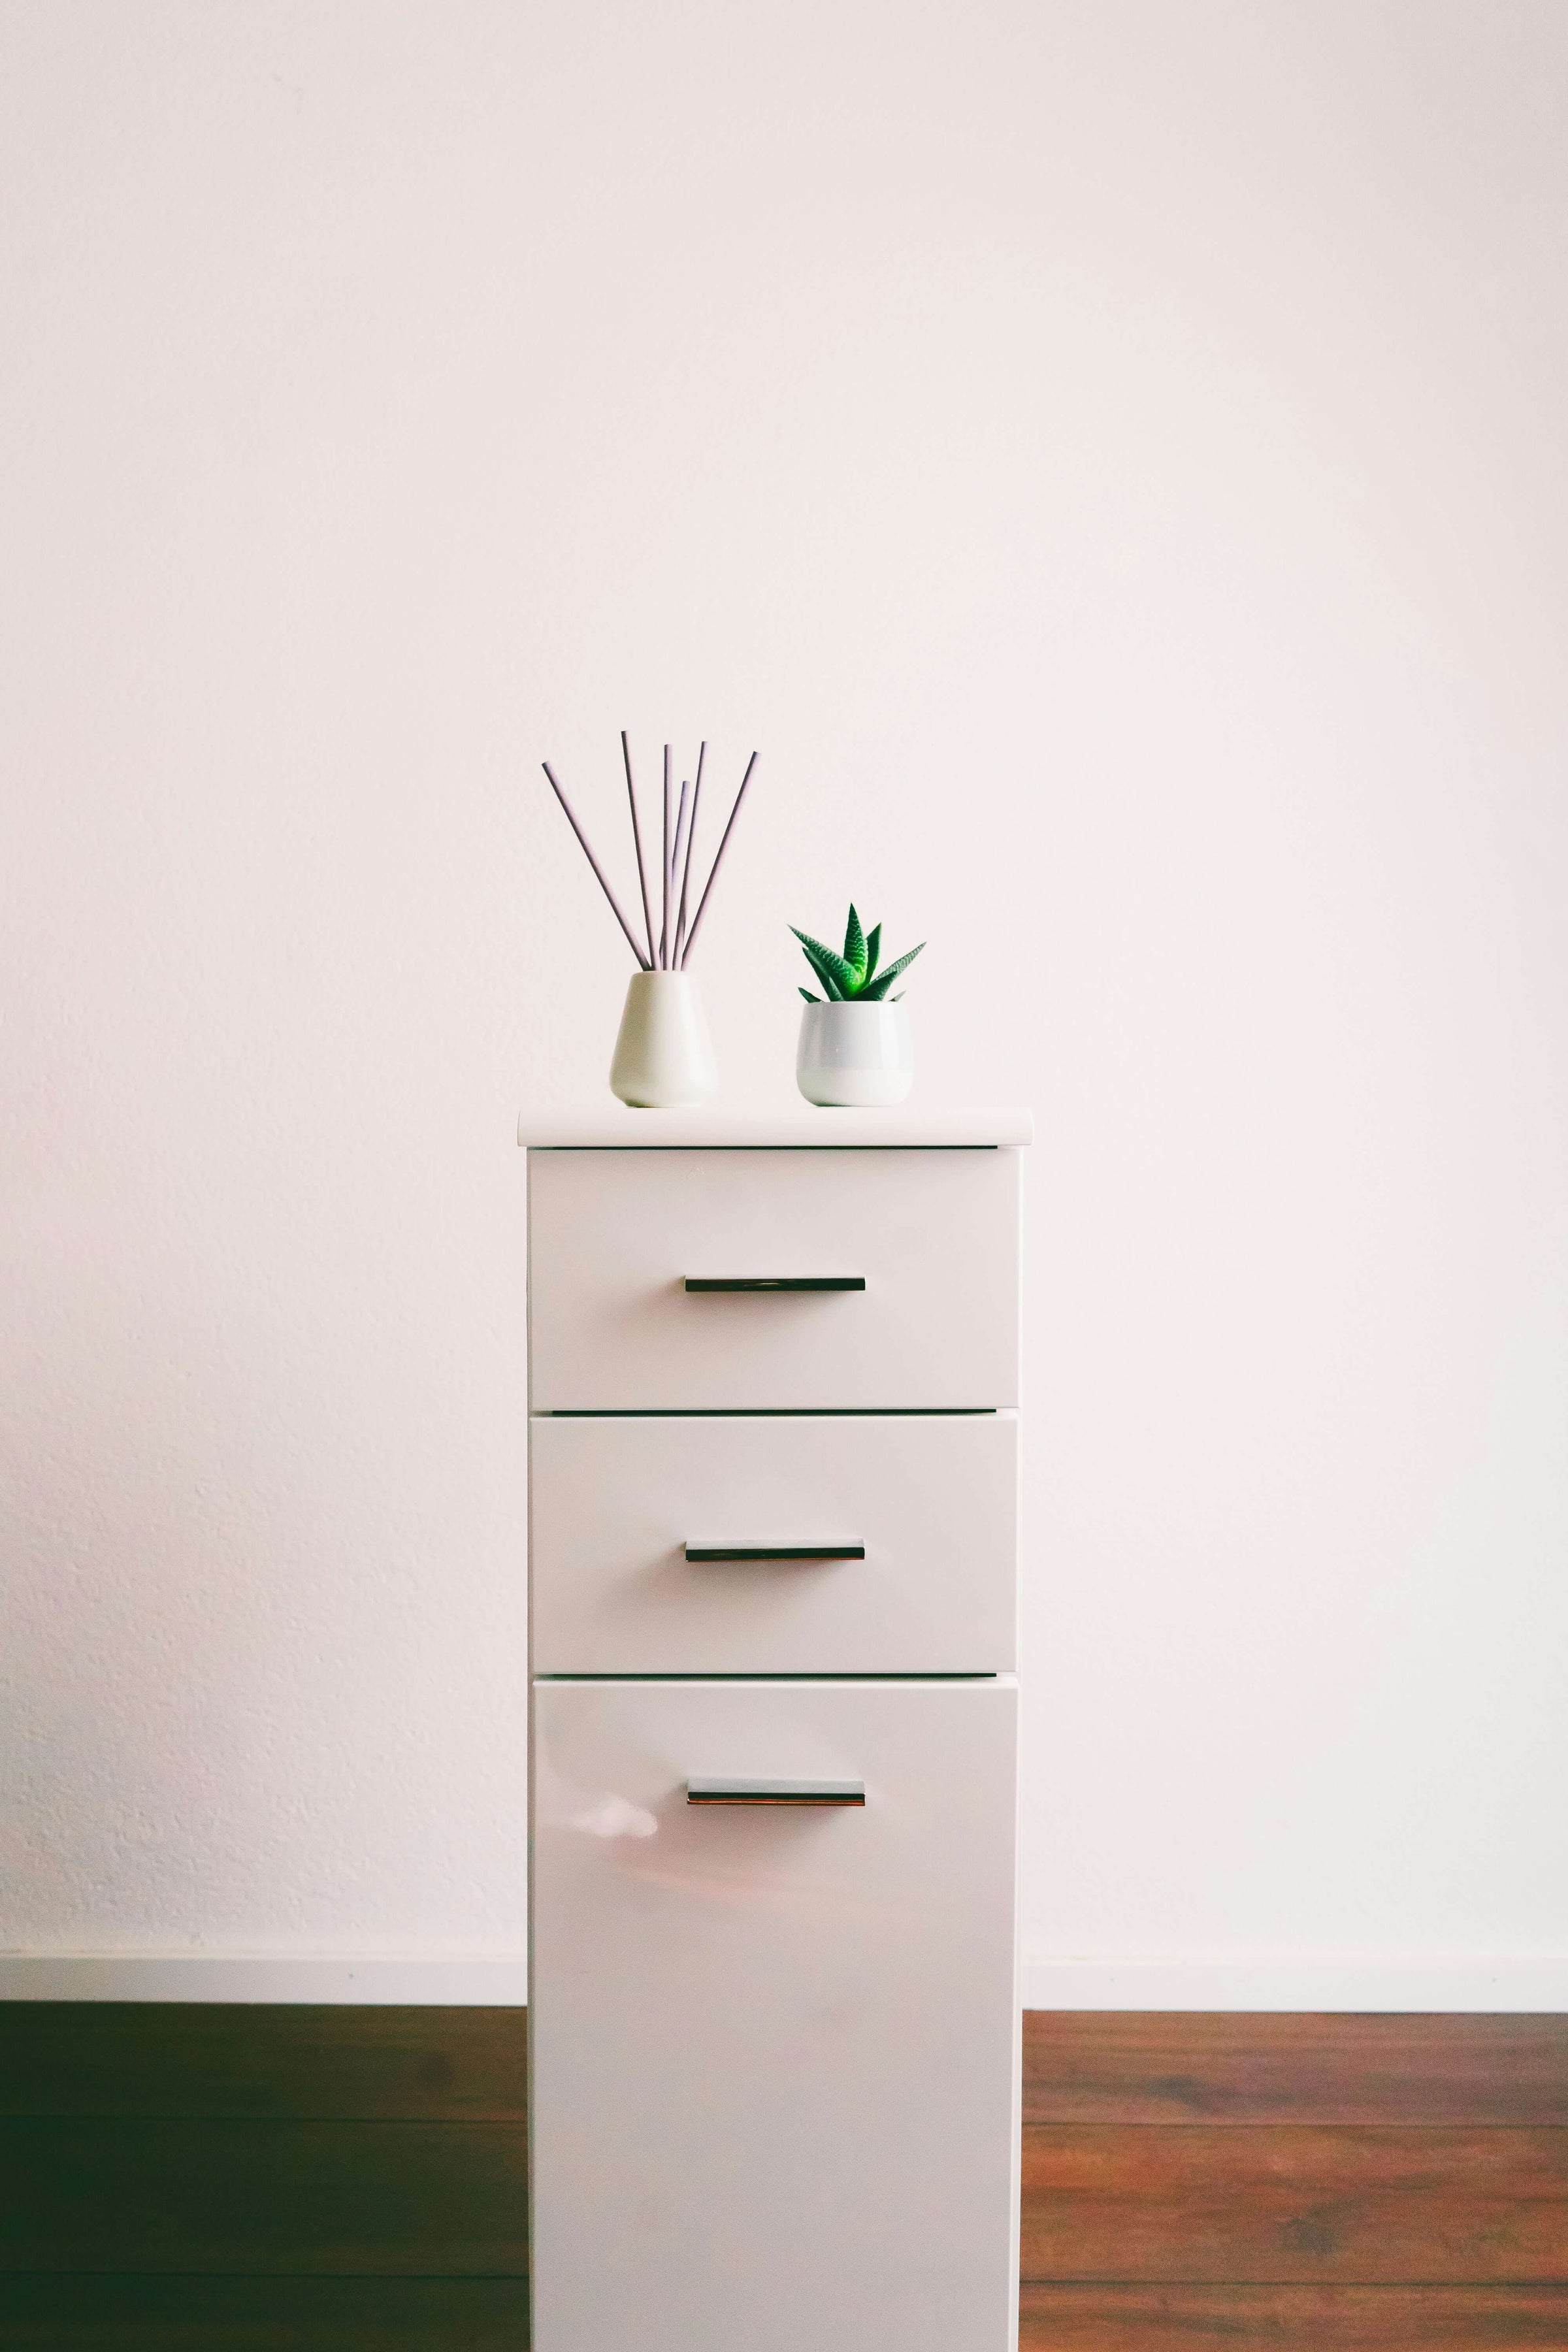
(774, 2048)
(931, 1501)
(930, 1239)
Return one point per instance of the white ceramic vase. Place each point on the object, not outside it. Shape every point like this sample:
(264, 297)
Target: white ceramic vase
(664, 1057)
(855, 1055)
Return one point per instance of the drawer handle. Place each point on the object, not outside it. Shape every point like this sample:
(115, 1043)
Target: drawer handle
(775, 1551)
(776, 1282)
(775, 1792)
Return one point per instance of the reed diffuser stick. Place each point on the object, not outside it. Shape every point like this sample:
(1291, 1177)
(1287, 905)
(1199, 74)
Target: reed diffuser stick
(637, 838)
(598, 869)
(718, 859)
(686, 865)
(664, 927)
(677, 851)
(677, 858)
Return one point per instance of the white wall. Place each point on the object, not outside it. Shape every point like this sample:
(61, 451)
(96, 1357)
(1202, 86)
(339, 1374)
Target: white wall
(1110, 457)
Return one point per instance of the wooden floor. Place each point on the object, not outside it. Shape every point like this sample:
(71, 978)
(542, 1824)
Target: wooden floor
(1338, 2182)
(211, 2180)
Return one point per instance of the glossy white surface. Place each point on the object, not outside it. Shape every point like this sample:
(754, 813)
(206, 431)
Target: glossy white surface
(602, 1127)
(933, 1500)
(773, 2101)
(855, 1055)
(612, 1237)
(663, 1056)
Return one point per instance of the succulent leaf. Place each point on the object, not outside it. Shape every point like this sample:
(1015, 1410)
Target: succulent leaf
(829, 968)
(875, 990)
(834, 993)
(853, 976)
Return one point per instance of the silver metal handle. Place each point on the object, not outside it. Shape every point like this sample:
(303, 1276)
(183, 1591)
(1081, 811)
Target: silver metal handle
(776, 1282)
(775, 1551)
(775, 1792)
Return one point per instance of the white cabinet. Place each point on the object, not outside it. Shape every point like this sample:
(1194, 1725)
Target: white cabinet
(774, 2019)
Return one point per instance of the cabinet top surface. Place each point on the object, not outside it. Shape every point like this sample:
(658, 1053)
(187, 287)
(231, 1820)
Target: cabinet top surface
(800, 1127)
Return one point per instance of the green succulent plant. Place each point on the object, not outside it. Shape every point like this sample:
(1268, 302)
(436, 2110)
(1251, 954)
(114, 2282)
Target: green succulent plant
(852, 978)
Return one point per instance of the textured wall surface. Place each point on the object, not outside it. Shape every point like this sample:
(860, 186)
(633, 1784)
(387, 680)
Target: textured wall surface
(1110, 459)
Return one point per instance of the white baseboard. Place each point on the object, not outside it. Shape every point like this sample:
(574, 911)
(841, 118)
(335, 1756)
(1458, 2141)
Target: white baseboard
(501, 1981)
(1284, 1984)
(498, 1982)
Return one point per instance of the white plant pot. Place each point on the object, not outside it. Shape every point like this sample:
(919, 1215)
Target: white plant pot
(855, 1055)
(664, 1057)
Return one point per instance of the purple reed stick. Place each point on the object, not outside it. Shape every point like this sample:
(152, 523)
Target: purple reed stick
(724, 844)
(686, 868)
(676, 850)
(637, 838)
(664, 927)
(598, 869)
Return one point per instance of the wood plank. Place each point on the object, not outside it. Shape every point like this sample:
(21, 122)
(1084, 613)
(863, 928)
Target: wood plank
(1110, 2066)
(1283, 2203)
(399, 2199)
(199, 2314)
(209, 2058)
(1292, 2318)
